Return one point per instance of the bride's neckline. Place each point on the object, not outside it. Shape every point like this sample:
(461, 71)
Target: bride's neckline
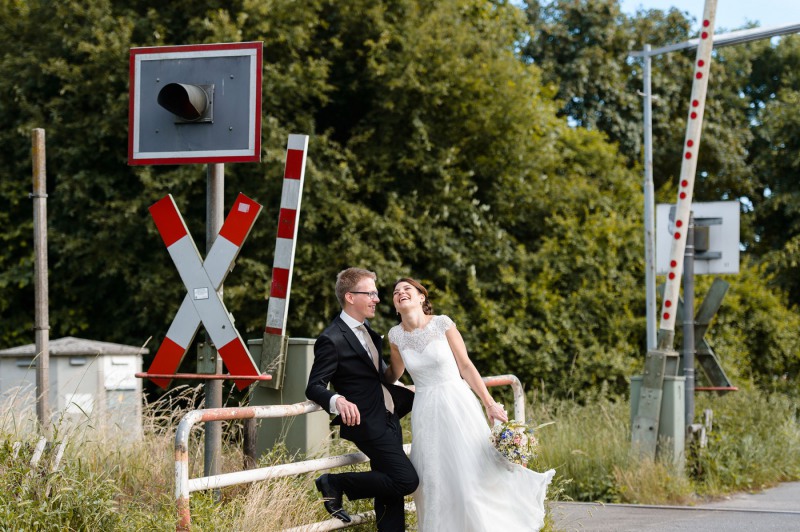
(425, 326)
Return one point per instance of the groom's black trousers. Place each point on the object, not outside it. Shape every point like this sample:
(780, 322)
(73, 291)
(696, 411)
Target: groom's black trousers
(392, 477)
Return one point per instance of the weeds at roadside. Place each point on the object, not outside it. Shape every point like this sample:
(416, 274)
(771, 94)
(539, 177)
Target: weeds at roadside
(109, 483)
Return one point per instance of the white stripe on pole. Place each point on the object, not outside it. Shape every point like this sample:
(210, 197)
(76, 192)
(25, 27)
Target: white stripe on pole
(291, 193)
(283, 253)
(276, 313)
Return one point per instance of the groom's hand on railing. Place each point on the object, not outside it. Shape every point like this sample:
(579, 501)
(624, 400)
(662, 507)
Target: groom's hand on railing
(348, 411)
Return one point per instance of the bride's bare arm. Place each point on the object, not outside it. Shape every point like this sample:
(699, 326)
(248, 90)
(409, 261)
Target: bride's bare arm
(470, 374)
(396, 366)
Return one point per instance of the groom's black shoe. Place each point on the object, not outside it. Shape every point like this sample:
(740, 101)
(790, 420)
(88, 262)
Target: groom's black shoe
(332, 497)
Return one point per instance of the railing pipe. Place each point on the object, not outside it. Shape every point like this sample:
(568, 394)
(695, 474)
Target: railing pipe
(516, 387)
(277, 471)
(184, 487)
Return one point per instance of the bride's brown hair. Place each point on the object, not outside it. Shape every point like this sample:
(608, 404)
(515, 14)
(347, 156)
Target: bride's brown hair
(427, 307)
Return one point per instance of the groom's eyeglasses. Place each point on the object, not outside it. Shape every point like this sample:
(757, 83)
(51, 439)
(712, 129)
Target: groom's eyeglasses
(372, 295)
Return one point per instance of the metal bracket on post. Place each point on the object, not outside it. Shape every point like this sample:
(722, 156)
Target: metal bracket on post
(273, 359)
(206, 358)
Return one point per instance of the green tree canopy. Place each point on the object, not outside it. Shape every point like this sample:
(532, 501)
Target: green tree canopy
(438, 149)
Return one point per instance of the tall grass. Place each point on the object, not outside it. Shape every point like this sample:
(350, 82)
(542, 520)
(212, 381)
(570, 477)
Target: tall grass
(754, 443)
(108, 482)
(590, 445)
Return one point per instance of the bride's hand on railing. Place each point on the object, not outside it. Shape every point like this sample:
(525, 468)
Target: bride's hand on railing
(496, 413)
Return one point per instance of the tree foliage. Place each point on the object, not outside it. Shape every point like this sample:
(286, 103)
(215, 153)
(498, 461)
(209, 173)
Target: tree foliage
(439, 149)
(748, 150)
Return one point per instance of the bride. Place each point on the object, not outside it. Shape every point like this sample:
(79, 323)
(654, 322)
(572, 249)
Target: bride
(465, 484)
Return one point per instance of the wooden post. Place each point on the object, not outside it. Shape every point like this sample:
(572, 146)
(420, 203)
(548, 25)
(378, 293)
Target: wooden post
(42, 318)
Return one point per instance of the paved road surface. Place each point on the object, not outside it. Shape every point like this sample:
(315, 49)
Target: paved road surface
(775, 509)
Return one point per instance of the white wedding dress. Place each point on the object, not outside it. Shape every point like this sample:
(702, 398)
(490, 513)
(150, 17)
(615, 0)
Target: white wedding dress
(466, 485)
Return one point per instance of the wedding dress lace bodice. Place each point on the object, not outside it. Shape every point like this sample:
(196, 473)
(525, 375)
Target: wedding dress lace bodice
(426, 352)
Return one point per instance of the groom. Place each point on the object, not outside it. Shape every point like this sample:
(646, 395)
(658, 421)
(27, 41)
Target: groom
(347, 355)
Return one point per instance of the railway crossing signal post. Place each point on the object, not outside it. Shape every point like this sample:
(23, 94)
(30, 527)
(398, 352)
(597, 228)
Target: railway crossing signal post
(188, 105)
(728, 39)
(712, 246)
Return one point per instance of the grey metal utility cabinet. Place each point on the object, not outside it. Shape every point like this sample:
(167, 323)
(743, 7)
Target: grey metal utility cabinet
(89, 381)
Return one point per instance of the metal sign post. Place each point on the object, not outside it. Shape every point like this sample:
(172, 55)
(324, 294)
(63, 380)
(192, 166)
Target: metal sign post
(688, 322)
(215, 194)
(200, 104)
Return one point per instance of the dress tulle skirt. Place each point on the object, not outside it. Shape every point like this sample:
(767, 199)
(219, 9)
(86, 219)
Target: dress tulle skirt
(466, 485)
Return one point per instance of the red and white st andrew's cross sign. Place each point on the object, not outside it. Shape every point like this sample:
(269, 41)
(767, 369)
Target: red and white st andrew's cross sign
(202, 280)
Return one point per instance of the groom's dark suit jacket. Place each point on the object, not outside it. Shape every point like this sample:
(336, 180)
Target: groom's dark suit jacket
(340, 359)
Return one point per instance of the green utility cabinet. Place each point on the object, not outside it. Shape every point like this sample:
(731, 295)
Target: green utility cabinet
(307, 434)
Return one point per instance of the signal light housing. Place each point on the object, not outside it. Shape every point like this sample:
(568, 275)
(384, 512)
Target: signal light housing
(192, 104)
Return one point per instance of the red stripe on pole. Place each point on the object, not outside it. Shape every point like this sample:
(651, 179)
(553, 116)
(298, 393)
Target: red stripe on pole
(277, 331)
(240, 220)
(167, 360)
(132, 126)
(168, 220)
(238, 361)
(280, 282)
(294, 164)
(286, 220)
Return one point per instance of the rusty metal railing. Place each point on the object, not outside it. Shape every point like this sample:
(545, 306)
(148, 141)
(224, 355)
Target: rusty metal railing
(184, 486)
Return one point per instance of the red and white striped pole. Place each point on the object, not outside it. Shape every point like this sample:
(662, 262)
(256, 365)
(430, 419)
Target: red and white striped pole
(274, 344)
(691, 148)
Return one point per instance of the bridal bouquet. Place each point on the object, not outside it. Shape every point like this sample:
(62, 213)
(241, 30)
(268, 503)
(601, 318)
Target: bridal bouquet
(515, 440)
